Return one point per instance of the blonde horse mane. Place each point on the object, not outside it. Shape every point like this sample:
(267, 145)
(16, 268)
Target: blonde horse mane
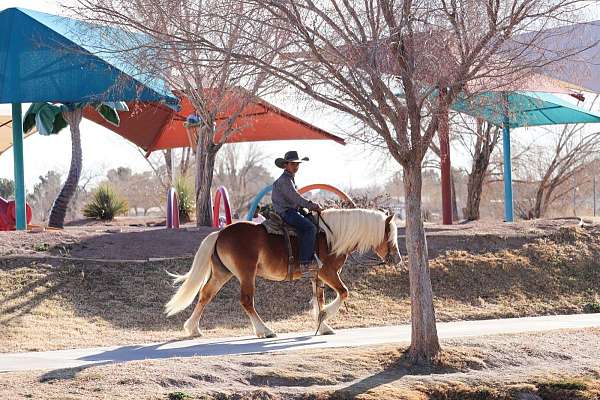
(356, 229)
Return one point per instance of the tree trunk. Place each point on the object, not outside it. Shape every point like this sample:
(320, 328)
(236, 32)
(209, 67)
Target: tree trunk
(454, 203)
(205, 166)
(424, 340)
(475, 184)
(169, 164)
(59, 208)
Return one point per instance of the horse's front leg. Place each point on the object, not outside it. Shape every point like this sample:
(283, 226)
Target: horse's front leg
(330, 276)
(318, 303)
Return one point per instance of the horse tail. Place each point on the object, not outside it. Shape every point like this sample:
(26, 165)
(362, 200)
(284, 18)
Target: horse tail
(195, 278)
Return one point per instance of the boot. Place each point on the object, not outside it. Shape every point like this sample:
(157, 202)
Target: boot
(309, 270)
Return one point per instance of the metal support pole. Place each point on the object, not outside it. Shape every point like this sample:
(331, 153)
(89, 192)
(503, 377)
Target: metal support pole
(17, 129)
(443, 131)
(508, 195)
(594, 195)
(574, 195)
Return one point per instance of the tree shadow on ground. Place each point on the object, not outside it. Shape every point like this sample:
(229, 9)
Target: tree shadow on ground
(392, 372)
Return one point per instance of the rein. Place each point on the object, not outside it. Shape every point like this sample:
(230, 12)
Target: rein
(320, 218)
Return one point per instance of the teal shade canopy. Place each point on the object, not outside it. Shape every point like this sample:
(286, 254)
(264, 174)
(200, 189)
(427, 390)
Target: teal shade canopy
(45, 57)
(524, 109)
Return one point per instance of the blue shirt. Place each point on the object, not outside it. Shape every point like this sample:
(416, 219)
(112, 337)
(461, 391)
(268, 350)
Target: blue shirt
(285, 195)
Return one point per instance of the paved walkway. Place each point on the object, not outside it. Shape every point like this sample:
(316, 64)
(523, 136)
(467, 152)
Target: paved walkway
(286, 342)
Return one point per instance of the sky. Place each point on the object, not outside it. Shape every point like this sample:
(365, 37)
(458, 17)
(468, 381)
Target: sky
(350, 166)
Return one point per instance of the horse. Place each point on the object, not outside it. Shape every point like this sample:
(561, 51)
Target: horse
(245, 250)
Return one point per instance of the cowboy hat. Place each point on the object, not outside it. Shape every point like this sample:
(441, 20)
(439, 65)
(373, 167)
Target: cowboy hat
(290, 156)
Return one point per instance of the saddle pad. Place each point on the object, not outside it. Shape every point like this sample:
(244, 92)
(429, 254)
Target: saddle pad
(274, 227)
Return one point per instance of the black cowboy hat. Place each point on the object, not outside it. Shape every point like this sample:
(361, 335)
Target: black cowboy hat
(290, 156)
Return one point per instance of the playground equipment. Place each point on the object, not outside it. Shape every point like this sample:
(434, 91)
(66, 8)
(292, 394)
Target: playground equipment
(221, 194)
(172, 209)
(322, 186)
(8, 219)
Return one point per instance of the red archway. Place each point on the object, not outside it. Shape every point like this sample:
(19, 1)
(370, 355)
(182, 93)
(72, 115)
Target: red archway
(322, 186)
(221, 193)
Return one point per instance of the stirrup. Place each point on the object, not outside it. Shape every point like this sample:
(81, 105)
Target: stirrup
(309, 270)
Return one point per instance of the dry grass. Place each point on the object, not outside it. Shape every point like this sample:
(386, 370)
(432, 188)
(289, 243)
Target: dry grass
(52, 305)
(554, 365)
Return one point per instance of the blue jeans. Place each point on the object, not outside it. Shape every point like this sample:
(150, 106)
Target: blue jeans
(307, 232)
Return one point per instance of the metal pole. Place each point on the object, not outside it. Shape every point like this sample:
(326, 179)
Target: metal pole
(574, 194)
(443, 131)
(508, 195)
(594, 195)
(17, 129)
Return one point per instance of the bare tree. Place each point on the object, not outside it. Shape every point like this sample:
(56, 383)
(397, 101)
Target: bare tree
(396, 66)
(242, 172)
(479, 138)
(549, 169)
(177, 40)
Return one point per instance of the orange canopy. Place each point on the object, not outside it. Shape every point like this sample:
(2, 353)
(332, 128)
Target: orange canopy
(153, 126)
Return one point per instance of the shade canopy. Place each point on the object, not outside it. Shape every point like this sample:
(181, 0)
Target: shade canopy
(570, 53)
(155, 127)
(46, 57)
(524, 109)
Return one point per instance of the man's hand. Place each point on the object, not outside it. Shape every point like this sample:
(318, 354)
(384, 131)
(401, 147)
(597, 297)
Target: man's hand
(317, 208)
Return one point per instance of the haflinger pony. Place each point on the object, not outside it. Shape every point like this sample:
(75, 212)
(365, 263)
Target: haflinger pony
(245, 250)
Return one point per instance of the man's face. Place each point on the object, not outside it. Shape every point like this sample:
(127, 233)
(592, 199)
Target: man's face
(292, 167)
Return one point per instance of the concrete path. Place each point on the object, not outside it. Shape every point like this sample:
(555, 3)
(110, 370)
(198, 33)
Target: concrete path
(286, 342)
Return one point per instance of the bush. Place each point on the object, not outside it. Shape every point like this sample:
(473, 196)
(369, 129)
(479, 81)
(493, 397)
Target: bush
(185, 194)
(105, 204)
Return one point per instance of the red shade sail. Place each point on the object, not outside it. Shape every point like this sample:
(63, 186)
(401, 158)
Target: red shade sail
(153, 126)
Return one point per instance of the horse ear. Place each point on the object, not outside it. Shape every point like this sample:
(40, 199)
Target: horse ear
(390, 218)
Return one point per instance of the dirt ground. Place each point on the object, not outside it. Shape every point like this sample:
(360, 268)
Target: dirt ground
(548, 267)
(557, 365)
(129, 238)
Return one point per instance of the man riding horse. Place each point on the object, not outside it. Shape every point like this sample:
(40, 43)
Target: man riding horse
(288, 203)
(246, 250)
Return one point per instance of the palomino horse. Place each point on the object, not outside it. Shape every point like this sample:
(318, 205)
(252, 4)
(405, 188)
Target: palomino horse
(245, 250)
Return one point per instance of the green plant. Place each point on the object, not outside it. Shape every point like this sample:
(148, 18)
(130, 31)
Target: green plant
(41, 247)
(178, 396)
(592, 308)
(105, 204)
(185, 195)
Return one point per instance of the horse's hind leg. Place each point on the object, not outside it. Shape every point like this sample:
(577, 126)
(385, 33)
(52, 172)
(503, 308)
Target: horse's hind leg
(248, 288)
(218, 278)
(318, 303)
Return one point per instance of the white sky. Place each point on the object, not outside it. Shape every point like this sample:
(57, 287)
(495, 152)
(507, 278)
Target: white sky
(347, 166)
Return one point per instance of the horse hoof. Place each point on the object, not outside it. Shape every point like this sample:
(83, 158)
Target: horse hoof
(271, 335)
(328, 333)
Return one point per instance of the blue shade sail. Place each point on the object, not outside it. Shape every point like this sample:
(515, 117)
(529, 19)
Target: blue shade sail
(45, 57)
(523, 109)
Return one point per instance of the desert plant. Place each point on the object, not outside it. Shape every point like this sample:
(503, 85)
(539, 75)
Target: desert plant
(185, 194)
(105, 204)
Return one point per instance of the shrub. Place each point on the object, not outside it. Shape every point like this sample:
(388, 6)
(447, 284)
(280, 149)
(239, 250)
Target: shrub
(185, 195)
(105, 204)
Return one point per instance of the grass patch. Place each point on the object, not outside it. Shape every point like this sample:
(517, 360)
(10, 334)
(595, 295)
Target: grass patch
(178, 396)
(41, 247)
(592, 308)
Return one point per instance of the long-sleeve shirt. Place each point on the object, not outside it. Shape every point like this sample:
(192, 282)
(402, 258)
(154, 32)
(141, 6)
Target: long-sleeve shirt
(285, 194)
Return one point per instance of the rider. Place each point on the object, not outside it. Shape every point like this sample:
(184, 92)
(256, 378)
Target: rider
(287, 202)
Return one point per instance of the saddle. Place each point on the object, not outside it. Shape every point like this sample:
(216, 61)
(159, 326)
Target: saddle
(275, 225)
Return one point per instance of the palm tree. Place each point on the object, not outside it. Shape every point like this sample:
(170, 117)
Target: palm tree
(49, 119)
